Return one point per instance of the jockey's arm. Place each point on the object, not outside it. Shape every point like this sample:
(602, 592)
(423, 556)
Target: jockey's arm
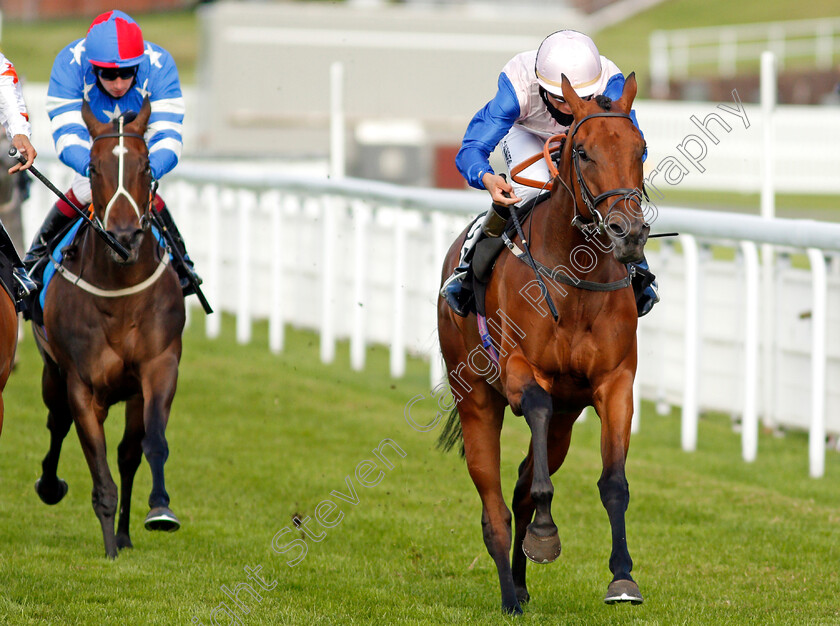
(13, 114)
(485, 131)
(166, 121)
(65, 95)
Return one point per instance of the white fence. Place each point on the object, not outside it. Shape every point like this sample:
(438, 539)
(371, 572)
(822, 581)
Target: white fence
(674, 53)
(361, 260)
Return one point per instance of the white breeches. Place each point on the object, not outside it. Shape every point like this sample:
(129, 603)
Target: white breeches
(518, 145)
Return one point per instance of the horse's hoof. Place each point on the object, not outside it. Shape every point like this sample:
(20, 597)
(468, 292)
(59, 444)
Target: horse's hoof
(541, 549)
(522, 595)
(51, 494)
(623, 591)
(161, 518)
(124, 541)
(512, 610)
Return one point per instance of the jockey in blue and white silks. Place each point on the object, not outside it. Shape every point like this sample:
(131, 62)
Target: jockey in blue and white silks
(75, 78)
(527, 109)
(112, 69)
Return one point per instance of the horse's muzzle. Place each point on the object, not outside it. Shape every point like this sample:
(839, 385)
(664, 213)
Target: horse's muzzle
(130, 239)
(628, 237)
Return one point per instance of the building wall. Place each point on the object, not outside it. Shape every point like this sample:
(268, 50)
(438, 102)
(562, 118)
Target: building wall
(47, 9)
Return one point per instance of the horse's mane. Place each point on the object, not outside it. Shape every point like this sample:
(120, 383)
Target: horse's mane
(604, 102)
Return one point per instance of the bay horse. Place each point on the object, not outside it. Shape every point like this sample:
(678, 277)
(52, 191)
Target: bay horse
(549, 370)
(112, 333)
(8, 343)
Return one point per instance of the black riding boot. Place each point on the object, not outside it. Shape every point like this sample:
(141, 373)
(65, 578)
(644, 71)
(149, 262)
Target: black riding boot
(53, 224)
(453, 289)
(24, 285)
(185, 270)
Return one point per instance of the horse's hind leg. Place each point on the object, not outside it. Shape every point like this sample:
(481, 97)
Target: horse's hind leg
(50, 488)
(559, 437)
(159, 383)
(481, 421)
(129, 454)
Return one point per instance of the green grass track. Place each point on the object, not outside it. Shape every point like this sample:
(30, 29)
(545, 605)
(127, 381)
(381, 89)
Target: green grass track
(256, 439)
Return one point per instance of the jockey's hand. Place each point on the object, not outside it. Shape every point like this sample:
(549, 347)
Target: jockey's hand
(23, 145)
(497, 186)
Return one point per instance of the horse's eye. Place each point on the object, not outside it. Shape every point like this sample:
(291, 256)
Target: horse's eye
(582, 154)
(92, 170)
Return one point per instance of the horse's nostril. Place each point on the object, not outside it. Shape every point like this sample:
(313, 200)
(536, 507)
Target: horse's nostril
(617, 230)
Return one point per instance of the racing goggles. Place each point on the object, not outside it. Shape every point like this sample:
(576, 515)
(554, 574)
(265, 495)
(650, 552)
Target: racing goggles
(113, 73)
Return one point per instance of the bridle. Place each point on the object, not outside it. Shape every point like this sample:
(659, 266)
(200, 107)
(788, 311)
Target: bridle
(596, 223)
(121, 150)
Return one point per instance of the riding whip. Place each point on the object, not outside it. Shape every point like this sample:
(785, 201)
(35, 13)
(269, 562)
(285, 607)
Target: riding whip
(106, 237)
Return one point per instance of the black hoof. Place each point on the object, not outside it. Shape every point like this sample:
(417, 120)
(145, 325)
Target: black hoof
(522, 595)
(124, 541)
(51, 493)
(623, 591)
(512, 610)
(161, 518)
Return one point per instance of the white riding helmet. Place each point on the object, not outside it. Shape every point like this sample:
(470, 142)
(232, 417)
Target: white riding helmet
(573, 54)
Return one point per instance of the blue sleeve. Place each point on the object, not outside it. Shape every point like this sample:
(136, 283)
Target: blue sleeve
(613, 90)
(167, 118)
(64, 106)
(485, 131)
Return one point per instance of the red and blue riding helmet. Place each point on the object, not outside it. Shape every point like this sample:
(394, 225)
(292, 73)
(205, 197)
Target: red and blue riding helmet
(114, 40)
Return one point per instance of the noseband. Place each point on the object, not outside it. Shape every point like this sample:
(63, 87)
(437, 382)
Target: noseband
(591, 201)
(120, 150)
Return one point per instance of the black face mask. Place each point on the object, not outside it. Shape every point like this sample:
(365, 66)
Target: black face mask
(564, 119)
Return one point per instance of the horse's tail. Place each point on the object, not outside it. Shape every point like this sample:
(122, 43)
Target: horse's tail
(452, 433)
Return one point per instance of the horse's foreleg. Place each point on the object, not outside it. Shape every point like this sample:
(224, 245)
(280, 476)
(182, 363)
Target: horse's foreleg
(559, 437)
(50, 488)
(160, 377)
(614, 403)
(129, 454)
(541, 543)
(89, 417)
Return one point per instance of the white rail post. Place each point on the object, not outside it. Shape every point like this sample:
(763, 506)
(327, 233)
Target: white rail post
(692, 343)
(398, 311)
(635, 422)
(749, 417)
(358, 342)
(768, 211)
(247, 202)
(273, 202)
(439, 248)
(816, 435)
(329, 205)
(212, 201)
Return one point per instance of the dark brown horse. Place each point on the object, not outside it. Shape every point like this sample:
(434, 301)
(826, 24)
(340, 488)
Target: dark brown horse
(547, 370)
(8, 343)
(114, 335)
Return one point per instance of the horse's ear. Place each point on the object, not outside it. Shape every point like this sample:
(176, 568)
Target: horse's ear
(95, 127)
(139, 123)
(625, 102)
(570, 95)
